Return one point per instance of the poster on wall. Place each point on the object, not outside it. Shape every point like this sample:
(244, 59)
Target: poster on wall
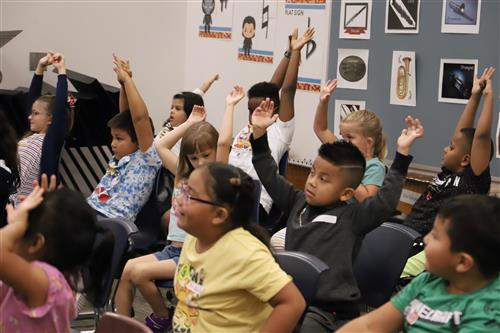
(255, 30)
(456, 77)
(498, 137)
(304, 14)
(355, 19)
(352, 68)
(402, 16)
(216, 22)
(342, 109)
(461, 16)
(403, 78)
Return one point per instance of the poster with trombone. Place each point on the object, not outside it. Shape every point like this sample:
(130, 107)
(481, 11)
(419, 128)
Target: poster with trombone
(403, 79)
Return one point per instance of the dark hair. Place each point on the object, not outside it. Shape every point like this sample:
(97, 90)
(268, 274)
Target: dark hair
(8, 151)
(265, 90)
(474, 228)
(232, 188)
(190, 99)
(123, 121)
(69, 227)
(347, 156)
(249, 20)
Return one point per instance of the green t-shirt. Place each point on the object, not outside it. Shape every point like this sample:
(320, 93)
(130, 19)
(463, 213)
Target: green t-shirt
(428, 307)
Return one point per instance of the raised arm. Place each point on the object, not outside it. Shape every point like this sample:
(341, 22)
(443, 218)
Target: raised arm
(481, 143)
(27, 280)
(35, 90)
(466, 119)
(280, 71)
(165, 144)
(54, 138)
(287, 111)
(138, 109)
(324, 134)
(208, 83)
(226, 129)
(123, 101)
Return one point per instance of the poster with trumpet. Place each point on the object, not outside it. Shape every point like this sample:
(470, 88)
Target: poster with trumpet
(403, 79)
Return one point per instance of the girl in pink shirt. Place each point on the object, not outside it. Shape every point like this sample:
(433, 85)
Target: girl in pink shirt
(48, 239)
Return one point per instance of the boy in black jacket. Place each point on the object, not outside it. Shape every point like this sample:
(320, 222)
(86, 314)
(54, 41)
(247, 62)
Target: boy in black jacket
(320, 220)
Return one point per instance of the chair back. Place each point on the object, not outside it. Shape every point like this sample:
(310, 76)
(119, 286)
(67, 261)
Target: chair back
(305, 270)
(381, 260)
(114, 323)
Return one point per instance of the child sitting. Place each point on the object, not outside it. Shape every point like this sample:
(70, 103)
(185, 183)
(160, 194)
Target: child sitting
(48, 240)
(465, 166)
(321, 222)
(226, 278)
(461, 290)
(129, 179)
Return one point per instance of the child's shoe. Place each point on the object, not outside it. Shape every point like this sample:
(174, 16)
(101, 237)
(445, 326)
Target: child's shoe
(158, 324)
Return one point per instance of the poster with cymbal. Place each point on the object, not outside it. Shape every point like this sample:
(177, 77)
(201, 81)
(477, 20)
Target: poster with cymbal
(403, 87)
(355, 19)
(352, 68)
(342, 109)
(402, 16)
(461, 16)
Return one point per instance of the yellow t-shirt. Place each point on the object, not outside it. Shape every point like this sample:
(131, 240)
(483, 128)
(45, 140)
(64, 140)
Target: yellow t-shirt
(227, 287)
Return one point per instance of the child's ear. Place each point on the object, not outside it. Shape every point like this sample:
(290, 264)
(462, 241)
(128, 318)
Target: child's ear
(346, 194)
(465, 160)
(465, 262)
(221, 216)
(37, 244)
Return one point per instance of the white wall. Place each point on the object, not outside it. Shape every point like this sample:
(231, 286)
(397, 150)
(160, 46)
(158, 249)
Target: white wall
(150, 34)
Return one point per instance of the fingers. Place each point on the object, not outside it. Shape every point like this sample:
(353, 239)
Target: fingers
(45, 181)
(52, 183)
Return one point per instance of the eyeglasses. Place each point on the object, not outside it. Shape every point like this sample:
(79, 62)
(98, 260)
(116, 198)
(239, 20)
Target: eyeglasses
(187, 197)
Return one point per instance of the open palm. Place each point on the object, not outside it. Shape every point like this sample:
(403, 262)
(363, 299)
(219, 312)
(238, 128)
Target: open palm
(263, 116)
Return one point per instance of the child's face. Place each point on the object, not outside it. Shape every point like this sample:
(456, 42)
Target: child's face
(196, 208)
(439, 258)
(350, 132)
(201, 158)
(454, 153)
(248, 30)
(324, 185)
(122, 144)
(39, 117)
(177, 113)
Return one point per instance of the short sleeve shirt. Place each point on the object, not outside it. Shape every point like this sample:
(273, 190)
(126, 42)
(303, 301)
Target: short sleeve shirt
(126, 185)
(427, 306)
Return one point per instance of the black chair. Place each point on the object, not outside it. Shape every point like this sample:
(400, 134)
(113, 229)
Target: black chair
(305, 270)
(120, 231)
(381, 260)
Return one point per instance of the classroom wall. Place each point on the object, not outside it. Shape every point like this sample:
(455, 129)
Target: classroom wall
(149, 33)
(430, 46)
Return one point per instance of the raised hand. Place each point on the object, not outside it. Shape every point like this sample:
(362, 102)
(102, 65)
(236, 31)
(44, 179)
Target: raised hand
(47, 60)
(235, 95)
(488, 88)
(480, 83)
(408, 135)
(327, 90)
(125, 64)
(20, 213)
(121, 74)
(293, 36)
(264, 116)
(298, 43)
(198, 114)
(59, 63)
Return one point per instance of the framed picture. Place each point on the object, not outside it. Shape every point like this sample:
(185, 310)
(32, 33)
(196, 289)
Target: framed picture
(461, 16)
(352, 68)
(403, 79)
(456, 77)
(402, 16)
(355, 19)
(342, 109)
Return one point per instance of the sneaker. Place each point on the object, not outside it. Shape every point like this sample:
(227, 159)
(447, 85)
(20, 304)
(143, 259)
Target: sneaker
(158, 324)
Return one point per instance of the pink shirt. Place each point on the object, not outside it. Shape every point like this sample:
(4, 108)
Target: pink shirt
(54, 316)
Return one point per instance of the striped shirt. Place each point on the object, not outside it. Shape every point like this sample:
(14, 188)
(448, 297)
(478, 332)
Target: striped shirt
(30, 152)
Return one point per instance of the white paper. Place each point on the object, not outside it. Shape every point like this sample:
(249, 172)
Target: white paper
(403, 80)
(456, 77)
(355, 19)
(402, 16)
(342, 109)
(352, 68)
(461, 16)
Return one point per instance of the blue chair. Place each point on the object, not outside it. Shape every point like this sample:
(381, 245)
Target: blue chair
(305, 270)
(381, 260)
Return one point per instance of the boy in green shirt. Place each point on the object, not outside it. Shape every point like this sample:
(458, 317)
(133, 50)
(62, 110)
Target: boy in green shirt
(461, 291)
